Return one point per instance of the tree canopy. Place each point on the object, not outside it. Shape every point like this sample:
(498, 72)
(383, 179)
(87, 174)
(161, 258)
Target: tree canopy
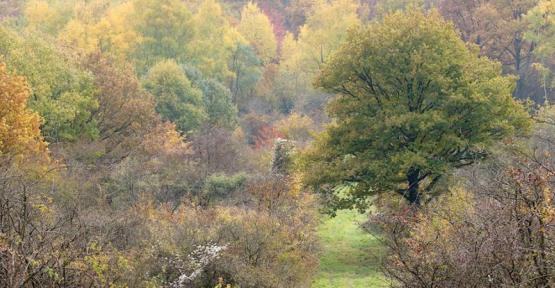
(19, 127)
(177, 99)
(413, 102)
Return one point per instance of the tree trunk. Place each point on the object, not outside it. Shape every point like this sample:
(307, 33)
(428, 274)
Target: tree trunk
(412, 194)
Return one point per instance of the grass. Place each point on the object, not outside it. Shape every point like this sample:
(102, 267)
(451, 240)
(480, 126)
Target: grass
(350, 256)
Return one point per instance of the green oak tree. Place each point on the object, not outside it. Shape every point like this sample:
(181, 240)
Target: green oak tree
(413, 103)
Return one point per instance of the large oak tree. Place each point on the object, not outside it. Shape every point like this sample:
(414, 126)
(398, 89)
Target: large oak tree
(413, 102)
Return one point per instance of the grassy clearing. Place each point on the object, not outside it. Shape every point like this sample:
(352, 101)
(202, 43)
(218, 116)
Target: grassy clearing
(350, 257)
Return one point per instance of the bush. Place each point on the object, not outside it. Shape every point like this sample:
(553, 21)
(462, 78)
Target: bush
(494, 230)
(221, 186)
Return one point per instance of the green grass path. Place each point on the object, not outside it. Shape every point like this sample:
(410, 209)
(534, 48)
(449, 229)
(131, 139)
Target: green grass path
(349, 256)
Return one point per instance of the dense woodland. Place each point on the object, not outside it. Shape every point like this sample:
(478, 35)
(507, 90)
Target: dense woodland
(198, 143)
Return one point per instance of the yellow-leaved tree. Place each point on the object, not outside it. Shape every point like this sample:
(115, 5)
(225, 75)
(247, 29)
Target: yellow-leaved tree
(19, 126)
(325, 30)
(258, 31)
(322, 34)
(214, 40)
(98, 26)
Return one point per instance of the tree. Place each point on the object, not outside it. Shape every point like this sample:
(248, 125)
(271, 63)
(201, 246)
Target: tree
(62, 94)
(378, 9)
(413, 103)
(165, 31)
(257, 29)
(323, 33)
(541, 31)
(19, 127)
(247, 71)
(490, 229)
(325, 30)
(126, 112)
(44, 16)
(213, 44)
(176, 98)
(498, 28)
(220, 109)
(105, 29)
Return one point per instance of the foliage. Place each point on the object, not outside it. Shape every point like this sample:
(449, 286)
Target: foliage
(177, 100)
(296, 127)
(61, 93)
(106, 31)
(211, 26)
(257, 29)
(217, 100)
(125, 114)
(321, 35)
(220, 186)
(156, 143)
(46, 16)
(165, 32)
(478, 238)
(498, 28)
(414, 102)
(541, 31)
(19, 127)
(247, 71)
(10, 9)
(282, 161)
(490, 229)
(324, 32)
(221, 110)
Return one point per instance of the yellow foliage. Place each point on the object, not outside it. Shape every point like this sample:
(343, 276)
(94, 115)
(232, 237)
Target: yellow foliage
(214, 40)
(323, 33)
(295, 127)
(258, 31)
(38, 13)
(19, 127)
(112, 33)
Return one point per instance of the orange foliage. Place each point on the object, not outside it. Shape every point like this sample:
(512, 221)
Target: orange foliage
(19, 127)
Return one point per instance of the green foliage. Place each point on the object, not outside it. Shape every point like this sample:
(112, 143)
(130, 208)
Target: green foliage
(165, 30)
(217, 100)
(247, 71)
(323, 33)
(213, 44)
(257, 29)
(48, 16)
(541, 31)
(282, 161)
(413, 103)
(176, 98)
(388, 6)
(136, 205)
(220, 186)
(221, 110)
(302, 58)
(61, 93)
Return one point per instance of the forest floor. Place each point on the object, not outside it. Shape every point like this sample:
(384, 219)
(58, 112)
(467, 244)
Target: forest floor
(350, 257)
